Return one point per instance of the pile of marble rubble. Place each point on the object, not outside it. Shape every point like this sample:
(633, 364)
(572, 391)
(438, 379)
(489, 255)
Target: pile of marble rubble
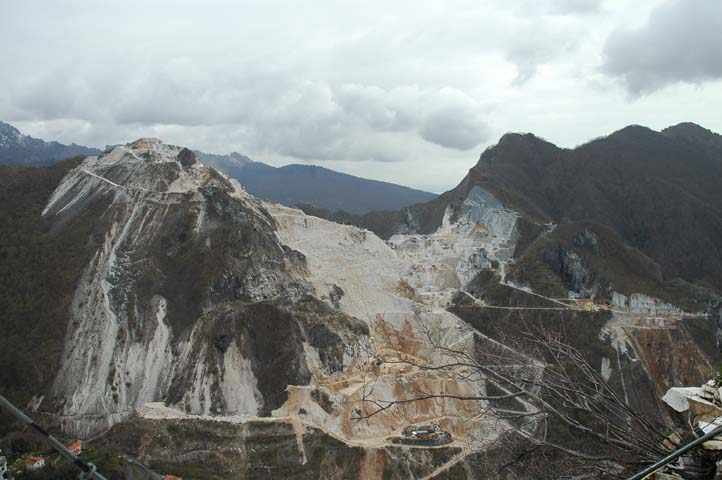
(703, 403)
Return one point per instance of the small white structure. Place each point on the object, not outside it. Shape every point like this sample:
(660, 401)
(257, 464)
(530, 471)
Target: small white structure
(678, 397)
(3, 466)
(34, 463)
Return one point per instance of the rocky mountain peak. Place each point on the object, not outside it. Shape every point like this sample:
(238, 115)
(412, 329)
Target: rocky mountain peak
(19, 149)
(688, 129)
(155, 150)
(184, 271)
(239, 158)
(151, 150)
(635, 133)
(517, 155)
(147, 143)
(152, 166)
(518, 137)
(9, 135)
(694, 134)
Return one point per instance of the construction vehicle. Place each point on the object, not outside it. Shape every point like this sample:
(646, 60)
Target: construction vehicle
(423, 435)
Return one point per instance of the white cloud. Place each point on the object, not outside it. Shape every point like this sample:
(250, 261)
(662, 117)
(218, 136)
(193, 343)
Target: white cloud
(402, 91)
(681, 42)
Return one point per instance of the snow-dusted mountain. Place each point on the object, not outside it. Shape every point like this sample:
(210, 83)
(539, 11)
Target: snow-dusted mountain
(19, 149)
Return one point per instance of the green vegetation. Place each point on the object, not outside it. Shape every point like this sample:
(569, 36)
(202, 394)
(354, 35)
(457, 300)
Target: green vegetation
(38, 272)
(108, 461)
(659, 191)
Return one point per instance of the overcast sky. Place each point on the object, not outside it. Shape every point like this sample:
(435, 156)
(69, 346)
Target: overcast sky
(403, 91)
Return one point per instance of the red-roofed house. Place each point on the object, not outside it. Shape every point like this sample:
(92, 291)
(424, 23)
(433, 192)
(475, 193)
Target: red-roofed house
(34, 463)
(76, 447)
(171, 477)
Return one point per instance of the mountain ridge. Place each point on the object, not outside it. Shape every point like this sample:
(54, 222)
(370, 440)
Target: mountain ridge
(633, 171)
(296, 184)
(19, 149)
(198, 316)
(289, 185)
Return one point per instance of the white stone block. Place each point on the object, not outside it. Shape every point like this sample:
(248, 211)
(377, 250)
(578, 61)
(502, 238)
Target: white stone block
(677, 397)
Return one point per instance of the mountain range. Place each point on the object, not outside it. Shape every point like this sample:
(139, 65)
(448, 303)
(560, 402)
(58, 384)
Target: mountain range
(535, 314)
(623, 181)
(312, 185)
(289, 185)
(19, 149)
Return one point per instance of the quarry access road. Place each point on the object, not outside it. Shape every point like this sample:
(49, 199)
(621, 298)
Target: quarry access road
(123, 187)
(481, 304)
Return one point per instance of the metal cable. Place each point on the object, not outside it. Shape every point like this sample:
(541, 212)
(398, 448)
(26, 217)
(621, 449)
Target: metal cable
(674, 455)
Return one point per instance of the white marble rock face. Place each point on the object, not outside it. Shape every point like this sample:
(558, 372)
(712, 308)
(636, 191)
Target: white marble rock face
(441, 263)
(110, 368)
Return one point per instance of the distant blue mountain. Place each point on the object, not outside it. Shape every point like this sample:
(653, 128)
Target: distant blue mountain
(19, 149)
(290, 185)
(315, 186)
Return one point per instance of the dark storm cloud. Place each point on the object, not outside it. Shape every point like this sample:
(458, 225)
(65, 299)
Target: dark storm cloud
(681, 42)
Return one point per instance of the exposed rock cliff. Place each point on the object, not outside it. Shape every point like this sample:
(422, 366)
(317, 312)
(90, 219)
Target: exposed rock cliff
(207, 319)
(19, 149)
(190, 299)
